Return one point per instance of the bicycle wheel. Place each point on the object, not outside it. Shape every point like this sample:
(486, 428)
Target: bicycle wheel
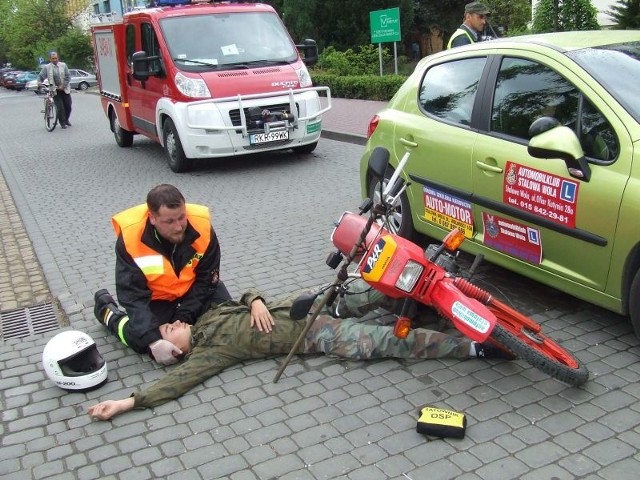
(50, 116)
(523, 336)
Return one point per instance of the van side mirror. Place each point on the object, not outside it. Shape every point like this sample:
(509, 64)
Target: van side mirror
(140, 63)
(308, 51)
(549, 139)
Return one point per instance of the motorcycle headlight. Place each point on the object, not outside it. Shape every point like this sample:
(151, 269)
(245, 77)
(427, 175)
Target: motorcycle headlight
(192, 87)
(409, 276)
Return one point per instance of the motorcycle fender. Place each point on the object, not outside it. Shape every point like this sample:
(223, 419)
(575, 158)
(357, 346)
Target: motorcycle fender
(468, 315)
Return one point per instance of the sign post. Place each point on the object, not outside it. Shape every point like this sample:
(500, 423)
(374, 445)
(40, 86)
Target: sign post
(385, 27)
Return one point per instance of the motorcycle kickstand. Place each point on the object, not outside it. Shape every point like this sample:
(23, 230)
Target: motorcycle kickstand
(329, 294)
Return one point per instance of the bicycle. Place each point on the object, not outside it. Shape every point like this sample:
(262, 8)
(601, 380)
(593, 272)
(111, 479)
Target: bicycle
(50, 112)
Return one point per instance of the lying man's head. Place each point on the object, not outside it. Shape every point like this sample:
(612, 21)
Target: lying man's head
(178, 333)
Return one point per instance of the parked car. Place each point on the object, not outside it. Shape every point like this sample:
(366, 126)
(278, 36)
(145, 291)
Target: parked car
(22, 79)
(3, 72)
(9, 79)
(570, 220)
(81, 80)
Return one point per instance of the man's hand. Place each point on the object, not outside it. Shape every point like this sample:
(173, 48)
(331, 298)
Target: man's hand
(260, 316)
(110, 408)
(164, 352)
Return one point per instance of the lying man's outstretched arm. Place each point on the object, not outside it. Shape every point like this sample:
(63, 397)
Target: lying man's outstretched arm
(110, 408)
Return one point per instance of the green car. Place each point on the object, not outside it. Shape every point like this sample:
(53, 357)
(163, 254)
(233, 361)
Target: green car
(559, 204)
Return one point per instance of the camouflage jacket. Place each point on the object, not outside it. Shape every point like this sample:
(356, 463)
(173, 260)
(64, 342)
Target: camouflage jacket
(223, 337)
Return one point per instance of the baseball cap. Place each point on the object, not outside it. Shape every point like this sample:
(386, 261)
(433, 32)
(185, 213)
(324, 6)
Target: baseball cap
(477, 7)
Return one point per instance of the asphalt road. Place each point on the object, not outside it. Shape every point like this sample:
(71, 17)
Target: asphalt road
(325, 418)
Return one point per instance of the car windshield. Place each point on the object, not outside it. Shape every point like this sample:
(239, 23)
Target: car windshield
(227, 41)
(617, 68)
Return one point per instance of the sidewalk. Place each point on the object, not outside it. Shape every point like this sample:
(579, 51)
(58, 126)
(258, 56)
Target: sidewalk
(348, 119)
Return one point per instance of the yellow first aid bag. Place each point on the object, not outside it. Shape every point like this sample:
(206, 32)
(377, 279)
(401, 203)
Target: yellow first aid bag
(439, 422)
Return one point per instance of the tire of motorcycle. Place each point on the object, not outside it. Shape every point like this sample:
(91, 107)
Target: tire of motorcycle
(543, 353)
(400, 221)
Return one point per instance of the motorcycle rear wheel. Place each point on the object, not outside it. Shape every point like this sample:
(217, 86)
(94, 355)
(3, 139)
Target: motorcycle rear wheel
(541, 352)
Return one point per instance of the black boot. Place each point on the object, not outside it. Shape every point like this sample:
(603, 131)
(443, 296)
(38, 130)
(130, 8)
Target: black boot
(491, 349)
(106, 309)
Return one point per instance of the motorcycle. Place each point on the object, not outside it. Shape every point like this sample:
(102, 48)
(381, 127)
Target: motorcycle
(401, 269)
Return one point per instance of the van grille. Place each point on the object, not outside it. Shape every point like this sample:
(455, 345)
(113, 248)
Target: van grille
(234, 115)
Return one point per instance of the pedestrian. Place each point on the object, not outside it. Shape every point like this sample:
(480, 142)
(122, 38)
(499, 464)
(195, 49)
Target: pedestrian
(415, 51)
(475, 19)
(167, 269)
(227, 334)
(57, 74)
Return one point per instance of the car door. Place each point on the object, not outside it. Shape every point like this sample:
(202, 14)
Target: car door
(435, 127)
(535, 217)
(144, 95)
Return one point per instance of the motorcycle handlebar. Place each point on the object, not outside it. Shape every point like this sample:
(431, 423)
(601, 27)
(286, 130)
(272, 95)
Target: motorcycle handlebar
(396, 174)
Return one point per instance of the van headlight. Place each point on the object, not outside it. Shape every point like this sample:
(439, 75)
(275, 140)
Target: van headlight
(191, 87)
(409, 276)
(304, 78)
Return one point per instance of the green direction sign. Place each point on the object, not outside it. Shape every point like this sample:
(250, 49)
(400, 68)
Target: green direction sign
(385, 25)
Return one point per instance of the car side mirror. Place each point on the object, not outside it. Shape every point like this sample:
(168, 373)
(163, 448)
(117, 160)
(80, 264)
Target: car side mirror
(378, 162)
(309, 51)
(549, 139)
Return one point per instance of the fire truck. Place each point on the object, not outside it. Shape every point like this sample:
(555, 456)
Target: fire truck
(208, 80)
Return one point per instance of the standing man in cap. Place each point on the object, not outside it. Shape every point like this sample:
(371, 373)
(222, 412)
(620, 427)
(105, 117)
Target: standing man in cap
(475, 18)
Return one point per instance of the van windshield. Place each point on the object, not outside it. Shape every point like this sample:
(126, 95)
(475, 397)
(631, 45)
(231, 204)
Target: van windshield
(227, 41)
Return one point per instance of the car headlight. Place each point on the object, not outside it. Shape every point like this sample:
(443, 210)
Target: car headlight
(409, 276)
(192, 87)
(304, 78)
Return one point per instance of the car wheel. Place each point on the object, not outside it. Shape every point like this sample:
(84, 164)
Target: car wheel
(304, 149)
(178, 161)
(399, 219)
(634, 303)
(83, 86)
(124, 138)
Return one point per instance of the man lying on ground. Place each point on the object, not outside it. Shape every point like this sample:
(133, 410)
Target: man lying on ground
(228, 334)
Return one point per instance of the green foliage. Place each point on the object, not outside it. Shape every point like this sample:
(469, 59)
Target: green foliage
(75, 49)
(512, 15)
(339, 23)
(565, 15)
(363, 61)
(29, 23)
(625, 14)
(364, 87)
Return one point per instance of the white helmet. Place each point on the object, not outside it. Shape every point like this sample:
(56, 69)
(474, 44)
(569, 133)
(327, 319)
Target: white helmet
(72, 361)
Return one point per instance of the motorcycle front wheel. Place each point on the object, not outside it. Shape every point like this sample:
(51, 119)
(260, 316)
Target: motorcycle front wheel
(527, 342)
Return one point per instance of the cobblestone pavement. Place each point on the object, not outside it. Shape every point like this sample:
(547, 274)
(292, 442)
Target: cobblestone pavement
(325, 418)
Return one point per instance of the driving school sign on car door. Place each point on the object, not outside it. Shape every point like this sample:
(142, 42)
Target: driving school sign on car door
(541, 193)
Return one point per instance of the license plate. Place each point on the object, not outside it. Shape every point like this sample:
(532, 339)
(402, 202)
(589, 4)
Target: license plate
(256, 138)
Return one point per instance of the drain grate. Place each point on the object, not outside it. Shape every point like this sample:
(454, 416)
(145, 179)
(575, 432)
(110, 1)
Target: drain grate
(27, 321)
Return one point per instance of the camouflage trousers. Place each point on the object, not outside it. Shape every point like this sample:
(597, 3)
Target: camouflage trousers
(339, 331)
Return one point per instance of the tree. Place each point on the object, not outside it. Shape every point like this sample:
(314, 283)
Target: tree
(625, 14)
(30, 22)
(565, 15)
(336, 22)
(513, 16)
